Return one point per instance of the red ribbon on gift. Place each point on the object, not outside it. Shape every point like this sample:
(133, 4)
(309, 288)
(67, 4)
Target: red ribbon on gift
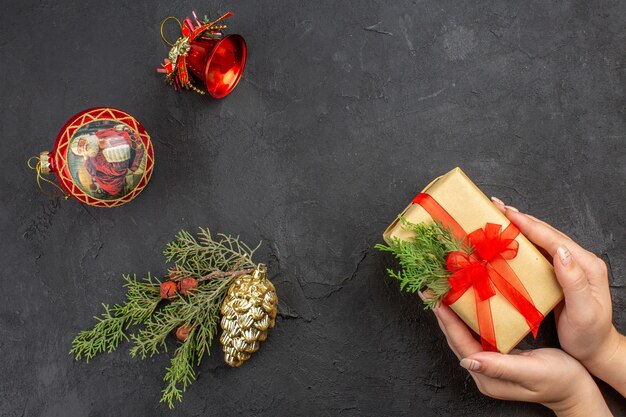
(486, 270)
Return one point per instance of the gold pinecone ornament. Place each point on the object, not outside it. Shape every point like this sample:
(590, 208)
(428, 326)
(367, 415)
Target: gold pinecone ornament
(248, 312)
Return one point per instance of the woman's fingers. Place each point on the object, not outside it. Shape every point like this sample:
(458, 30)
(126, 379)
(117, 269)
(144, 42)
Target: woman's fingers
(506, 377)
(573, 280)
(501, 389)
(543, 235)
(548, 239)
(563, 250)
(538, 231)
(514, 368)
(457, 333)
(499, 204)
(511, 211)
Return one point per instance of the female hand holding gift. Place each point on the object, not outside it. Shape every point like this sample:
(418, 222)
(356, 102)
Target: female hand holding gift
(585, 331)
(547, 376)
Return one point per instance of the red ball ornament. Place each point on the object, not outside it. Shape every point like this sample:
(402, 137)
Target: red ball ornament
(102, 157)
(203, 59)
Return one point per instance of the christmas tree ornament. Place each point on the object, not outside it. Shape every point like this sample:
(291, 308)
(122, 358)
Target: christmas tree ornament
(203, 59)
(211, 276)
(102, 157)
(248, 312)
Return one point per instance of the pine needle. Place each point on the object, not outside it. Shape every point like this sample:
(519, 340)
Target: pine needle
(201, 255)
(180, 372)
(423, 259)
(142, 297)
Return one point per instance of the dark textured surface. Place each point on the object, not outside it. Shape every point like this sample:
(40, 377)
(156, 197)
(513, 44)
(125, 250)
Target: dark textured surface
(345, 111)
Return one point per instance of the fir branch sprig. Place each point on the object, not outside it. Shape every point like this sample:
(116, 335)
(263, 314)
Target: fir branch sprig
(192, 311)
(142, 297)
(198, 257)
(198, 311)
(215, 263)
(423, 259)
(180, 372)
(203, 318)
(150, 340)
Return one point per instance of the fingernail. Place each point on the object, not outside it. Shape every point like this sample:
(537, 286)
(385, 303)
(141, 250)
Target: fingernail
(512, 209)
(564, 255)
(421, 295)
(497, 201)
(470, 365)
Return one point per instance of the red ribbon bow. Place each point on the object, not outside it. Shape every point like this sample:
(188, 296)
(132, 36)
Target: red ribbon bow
(489, 244)
(486, 270)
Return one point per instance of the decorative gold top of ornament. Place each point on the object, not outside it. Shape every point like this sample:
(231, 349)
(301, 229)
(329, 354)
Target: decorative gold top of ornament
(42, 167)
(44, 158)
(260, 272)
(180, 48)
(248, 311)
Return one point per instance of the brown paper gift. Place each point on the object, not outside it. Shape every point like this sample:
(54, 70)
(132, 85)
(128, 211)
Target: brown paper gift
(464, 201)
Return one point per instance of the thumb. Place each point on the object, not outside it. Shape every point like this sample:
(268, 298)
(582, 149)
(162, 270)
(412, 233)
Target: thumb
(573, 279)
(514, 368)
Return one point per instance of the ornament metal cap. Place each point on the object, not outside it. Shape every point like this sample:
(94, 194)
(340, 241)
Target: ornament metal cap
(44, 158)
(260, 272)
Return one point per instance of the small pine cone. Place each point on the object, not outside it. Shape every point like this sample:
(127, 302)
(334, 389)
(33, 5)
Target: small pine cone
(187, 285)
(248, 311)
(168, 290)
(182, 332)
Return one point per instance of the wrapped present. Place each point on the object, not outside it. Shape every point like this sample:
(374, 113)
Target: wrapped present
(502, 286)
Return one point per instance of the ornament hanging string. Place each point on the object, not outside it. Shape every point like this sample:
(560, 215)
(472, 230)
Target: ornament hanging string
(180, 25)
(41, 178)
(484, 269)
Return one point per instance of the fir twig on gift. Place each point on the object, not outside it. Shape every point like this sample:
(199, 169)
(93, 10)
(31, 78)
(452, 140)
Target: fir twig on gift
(422, 259)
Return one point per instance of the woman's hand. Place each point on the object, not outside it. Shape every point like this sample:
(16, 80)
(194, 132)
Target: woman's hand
(584, 320)
(546, 376)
